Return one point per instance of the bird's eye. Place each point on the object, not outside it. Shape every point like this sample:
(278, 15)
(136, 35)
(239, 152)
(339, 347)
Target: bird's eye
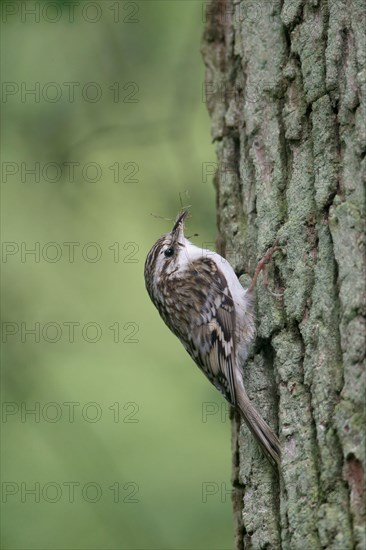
(169, 252)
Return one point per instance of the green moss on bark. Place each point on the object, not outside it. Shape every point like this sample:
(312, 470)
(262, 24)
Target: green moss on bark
(291, 144)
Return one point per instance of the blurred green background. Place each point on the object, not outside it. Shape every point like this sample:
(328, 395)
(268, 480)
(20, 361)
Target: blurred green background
(118, 453)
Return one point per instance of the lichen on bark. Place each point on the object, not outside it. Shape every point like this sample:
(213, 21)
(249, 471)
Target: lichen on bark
(286, 91)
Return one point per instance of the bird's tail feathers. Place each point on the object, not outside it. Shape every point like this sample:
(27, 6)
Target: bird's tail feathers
(259, 428)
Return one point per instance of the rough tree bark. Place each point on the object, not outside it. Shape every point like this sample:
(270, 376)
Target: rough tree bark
(286, 90)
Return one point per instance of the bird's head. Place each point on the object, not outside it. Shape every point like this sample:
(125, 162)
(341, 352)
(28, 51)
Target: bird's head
(169, 254)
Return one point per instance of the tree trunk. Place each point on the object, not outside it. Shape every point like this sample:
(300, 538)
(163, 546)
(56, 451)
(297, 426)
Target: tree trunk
(285, 87)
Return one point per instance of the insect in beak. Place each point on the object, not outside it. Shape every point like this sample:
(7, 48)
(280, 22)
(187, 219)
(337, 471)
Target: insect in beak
(180, 220)
(178, 230)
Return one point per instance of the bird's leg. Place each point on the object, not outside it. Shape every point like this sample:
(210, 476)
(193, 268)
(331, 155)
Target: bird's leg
(261, 265)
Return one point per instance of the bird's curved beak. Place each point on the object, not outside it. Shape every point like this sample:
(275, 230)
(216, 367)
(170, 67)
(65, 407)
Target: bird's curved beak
(178, 229)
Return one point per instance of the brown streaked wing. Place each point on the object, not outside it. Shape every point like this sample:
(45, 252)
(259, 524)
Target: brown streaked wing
(212, 333)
